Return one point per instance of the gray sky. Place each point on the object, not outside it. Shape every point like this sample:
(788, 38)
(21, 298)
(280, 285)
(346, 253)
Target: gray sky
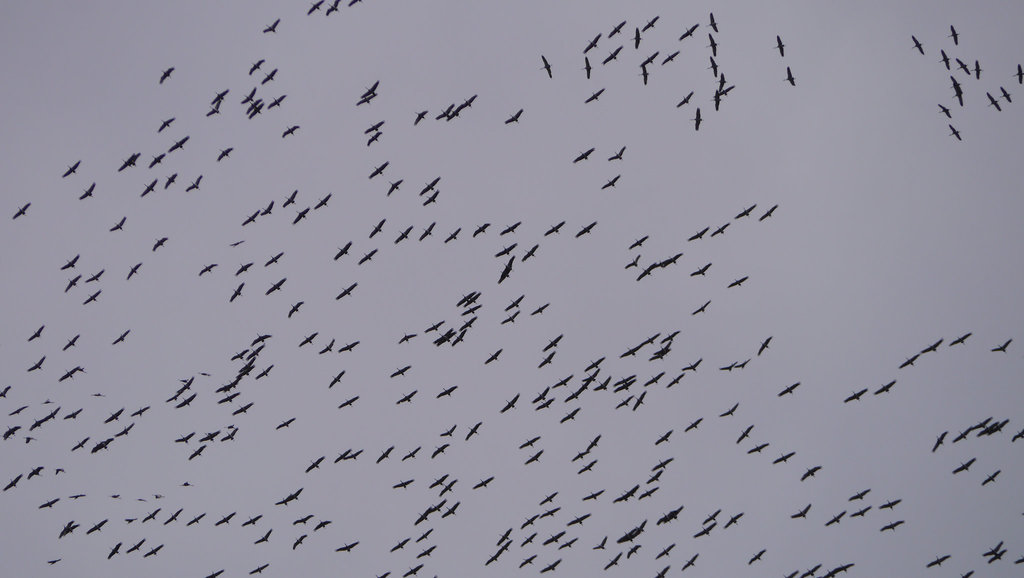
(889, 235)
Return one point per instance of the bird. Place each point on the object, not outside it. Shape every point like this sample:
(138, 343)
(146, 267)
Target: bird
(993, 102)
(917, 44)
(957, 91)
(612, 55)
(1002, 348)
(71, 169)
(21, 211)
(583, 155)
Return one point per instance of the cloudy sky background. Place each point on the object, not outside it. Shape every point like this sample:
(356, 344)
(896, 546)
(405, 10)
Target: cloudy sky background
(889, 235)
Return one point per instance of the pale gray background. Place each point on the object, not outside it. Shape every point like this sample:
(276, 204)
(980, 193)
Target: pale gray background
(889, 235)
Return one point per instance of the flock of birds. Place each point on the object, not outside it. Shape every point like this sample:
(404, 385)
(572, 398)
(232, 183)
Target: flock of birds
(555, 534)
(956, 66)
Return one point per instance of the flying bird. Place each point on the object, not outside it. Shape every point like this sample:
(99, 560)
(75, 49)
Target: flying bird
(1002, 347)
(917, 44)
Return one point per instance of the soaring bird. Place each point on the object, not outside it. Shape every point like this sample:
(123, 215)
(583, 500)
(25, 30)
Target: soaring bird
(917, 44)
(71, 169)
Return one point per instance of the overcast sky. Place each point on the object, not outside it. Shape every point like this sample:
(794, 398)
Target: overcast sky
(888, 234)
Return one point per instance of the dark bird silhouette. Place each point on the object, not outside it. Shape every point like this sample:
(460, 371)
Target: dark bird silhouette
(855, 396)
(276, 286)
(510, 404)
(957, 91)
(587, 228)
(993, 102)
(612, 55)
(71, 169)
(289, 498)
(917, 44)
(1002, 347)
(835, 519)
(964, 466)
(945, 59)
(890, 504)
(88, 192)
(885, 388)
(802, 513)
(583, 155)
(991, 478)
(21, 211)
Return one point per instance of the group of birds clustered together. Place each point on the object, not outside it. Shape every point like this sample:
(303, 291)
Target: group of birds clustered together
(595, 384)
(968, 72)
